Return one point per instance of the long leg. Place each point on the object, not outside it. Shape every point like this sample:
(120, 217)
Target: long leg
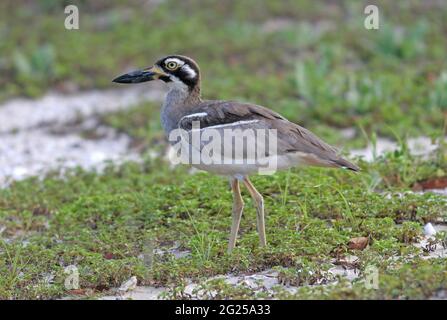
(259, 202)
(238, 207)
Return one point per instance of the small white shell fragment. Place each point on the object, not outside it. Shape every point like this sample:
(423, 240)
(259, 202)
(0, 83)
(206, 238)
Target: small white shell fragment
(129, 285)
(429, 230)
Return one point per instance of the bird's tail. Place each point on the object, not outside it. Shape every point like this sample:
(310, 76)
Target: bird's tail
(343, 163)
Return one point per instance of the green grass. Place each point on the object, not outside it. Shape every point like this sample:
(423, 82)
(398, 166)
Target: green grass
(322, 68)
(389, 82)
(420, 279)
(105, 223)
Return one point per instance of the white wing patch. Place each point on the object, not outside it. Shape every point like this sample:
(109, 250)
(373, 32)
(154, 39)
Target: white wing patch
(199, 114)
(232, 124)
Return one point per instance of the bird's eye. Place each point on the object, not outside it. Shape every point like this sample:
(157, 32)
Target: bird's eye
(171, 65)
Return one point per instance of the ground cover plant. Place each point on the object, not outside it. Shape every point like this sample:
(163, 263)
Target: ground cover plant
(125, 220)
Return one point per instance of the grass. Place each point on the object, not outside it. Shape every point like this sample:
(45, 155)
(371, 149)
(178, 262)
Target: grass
(320, 68)
(402, 282)
(104, 223)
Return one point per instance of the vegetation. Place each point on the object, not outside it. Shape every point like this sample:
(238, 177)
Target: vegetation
(108, 225)
(312, 62)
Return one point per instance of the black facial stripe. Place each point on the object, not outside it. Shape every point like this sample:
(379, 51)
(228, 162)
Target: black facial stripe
(165, 79)
(163, 67)
(183, 75)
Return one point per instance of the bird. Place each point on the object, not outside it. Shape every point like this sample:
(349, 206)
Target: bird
(184, 110)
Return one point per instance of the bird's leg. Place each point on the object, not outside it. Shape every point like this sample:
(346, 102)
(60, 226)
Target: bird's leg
(238, 206)
(259, 202)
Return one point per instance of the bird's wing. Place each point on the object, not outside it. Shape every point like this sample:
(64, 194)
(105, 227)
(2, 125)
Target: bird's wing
(217, 113)
(291, 137)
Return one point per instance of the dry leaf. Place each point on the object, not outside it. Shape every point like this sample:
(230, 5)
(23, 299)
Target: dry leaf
(359, 243)
(434, 183)
(108, 256)
(78, 292)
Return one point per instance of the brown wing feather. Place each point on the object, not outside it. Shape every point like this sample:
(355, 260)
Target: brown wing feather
(291, 137)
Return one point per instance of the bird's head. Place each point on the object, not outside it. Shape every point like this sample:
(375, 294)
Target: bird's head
(175, 70)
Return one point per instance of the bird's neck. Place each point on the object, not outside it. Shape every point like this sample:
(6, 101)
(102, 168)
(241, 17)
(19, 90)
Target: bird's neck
(180, 95)
(178, 102)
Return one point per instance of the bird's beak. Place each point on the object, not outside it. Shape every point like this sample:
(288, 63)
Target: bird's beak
(144, 75)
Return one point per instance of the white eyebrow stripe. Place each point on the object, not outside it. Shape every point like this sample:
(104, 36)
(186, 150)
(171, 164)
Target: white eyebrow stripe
(178, 61)
(191, 73)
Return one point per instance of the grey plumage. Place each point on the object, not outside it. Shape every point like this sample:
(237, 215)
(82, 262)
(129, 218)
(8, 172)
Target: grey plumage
(291, 137)
(183, 105)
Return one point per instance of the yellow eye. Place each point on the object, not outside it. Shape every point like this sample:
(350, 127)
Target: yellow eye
(171, 65)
